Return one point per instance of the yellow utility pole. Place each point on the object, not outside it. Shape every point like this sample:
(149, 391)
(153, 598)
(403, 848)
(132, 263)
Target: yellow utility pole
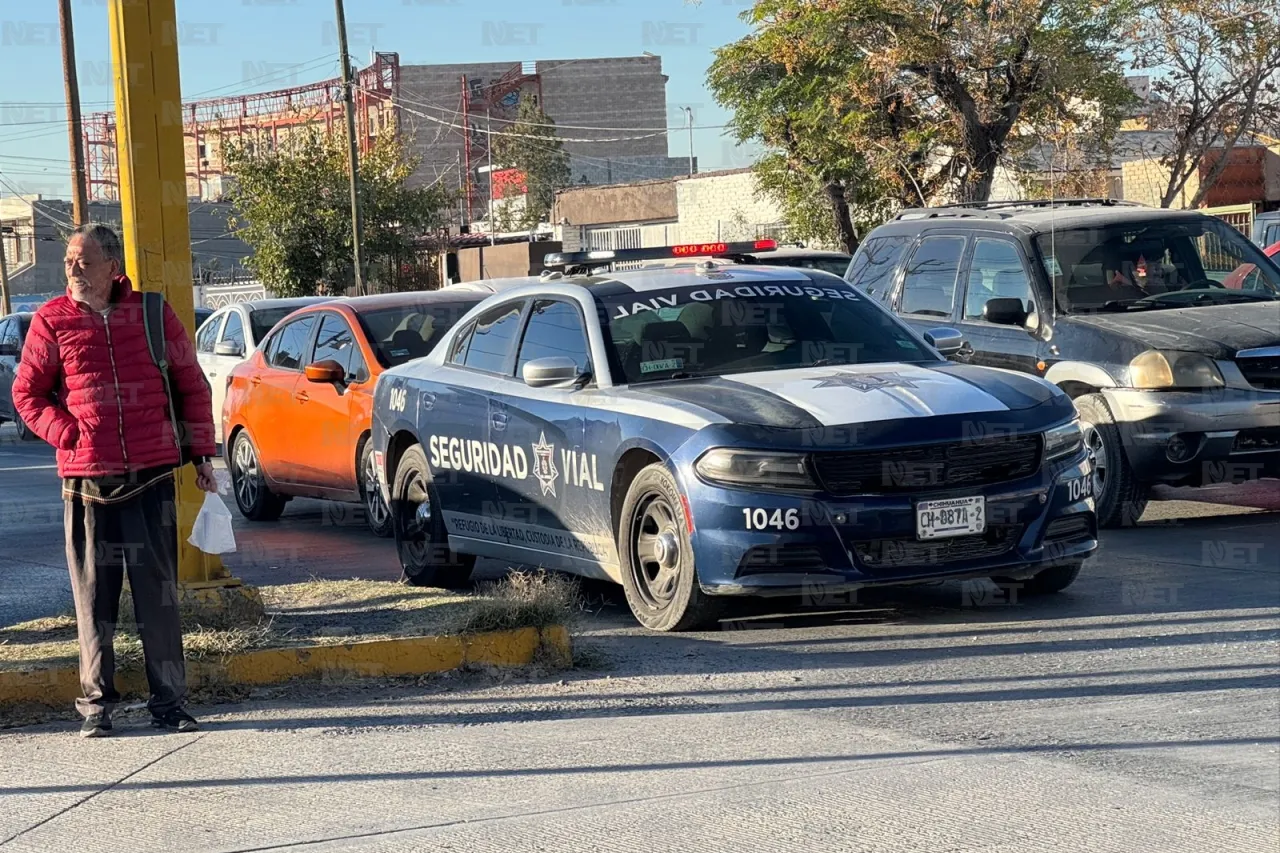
(153, 194)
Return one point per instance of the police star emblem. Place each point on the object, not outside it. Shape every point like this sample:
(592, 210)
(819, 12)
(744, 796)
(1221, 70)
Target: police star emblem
(544, 465)
(864, 381)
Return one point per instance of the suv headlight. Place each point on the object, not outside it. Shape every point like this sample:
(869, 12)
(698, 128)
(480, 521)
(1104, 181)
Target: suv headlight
(755, 469)
(1170, 369)
(1065, 440)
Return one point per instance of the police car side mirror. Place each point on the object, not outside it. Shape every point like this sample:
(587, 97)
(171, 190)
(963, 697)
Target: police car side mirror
(230, 348)
(553, 372)
(944, 340)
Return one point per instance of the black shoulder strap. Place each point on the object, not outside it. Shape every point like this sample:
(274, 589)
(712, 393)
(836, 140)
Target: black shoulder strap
(153, 320)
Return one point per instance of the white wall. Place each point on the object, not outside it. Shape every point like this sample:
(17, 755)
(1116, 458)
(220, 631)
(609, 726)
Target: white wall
(722, 207)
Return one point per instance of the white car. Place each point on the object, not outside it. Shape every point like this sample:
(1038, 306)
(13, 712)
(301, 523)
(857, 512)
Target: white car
(230, 336)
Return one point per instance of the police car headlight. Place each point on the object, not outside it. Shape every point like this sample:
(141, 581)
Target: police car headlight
(1166, 369)
(1061, 441)
(755, 469)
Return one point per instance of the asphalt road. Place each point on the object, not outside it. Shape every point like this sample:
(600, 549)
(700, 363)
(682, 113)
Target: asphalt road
(1138, 711)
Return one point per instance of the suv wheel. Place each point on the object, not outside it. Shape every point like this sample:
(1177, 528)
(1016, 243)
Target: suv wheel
(1118, 496)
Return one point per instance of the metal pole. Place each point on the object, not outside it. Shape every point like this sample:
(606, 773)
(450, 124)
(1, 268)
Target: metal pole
(689, 112)
(6, 307)
(488, 126)
(79, 179)
(357, 223)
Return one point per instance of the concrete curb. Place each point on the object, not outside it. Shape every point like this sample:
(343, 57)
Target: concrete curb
(396, 657)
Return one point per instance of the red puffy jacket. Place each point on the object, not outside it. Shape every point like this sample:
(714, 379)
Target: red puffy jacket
(87, 385)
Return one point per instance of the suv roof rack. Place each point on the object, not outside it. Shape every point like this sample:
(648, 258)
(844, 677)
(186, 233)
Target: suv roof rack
(992, 209)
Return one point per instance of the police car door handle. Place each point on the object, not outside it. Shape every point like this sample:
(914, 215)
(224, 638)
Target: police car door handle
(498, 420)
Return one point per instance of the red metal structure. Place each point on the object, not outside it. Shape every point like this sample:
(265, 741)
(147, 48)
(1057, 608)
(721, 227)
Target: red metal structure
(484, 107)
(263, 116)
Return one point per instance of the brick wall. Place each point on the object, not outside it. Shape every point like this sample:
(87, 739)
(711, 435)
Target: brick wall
(722, 206)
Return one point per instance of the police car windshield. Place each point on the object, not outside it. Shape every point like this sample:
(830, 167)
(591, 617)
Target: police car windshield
(736, 328)
(406, 332)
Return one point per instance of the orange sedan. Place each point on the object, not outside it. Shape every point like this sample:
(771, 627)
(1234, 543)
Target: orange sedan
(298, 411)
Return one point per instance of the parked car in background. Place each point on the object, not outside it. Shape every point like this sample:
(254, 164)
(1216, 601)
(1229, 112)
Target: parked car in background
(1162, 325)
(297, 409)
(230, 335)
(1266, 228)
(13, 331)
(202, 314)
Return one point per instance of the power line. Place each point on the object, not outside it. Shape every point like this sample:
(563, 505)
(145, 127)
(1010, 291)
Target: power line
(529, 135)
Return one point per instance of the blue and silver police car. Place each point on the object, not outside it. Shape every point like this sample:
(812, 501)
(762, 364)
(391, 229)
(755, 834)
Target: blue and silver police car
(700, 433)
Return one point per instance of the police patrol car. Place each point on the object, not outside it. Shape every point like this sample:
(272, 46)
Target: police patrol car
(701, 433)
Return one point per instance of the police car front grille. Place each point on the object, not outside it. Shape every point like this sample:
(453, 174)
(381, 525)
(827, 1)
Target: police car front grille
(976, 462)
(765, 559)
(911, 553)
(1262, 372)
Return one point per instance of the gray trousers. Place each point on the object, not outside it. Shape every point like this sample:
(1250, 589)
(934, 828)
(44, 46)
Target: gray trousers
(139, 535)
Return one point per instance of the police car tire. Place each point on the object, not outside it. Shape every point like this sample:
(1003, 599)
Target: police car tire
(386, 529)
(1121, 499)
(267, 505)
(1051, 580)
(451, 572)
(689, 608)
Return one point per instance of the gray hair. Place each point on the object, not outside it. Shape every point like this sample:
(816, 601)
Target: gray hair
(106, 238)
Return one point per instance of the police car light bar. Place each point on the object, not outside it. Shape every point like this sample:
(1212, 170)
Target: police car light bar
(687, 250)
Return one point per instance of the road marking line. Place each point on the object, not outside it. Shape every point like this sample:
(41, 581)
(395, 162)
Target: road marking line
(31, 468)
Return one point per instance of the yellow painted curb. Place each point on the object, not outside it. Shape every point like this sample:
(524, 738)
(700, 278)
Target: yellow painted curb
(395, 657)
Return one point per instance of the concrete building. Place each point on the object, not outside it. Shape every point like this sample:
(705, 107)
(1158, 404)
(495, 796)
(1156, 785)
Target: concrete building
(611, 114)
(720, 205)
(34, 233)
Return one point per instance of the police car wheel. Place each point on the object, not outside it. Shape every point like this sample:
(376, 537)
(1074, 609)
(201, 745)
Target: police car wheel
(658, 572)
(375, 509)
(1118, 496)
(254, 500)
(421, 539)
(1051, 580)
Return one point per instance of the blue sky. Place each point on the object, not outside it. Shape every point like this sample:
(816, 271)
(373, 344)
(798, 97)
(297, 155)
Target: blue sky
(229, 45)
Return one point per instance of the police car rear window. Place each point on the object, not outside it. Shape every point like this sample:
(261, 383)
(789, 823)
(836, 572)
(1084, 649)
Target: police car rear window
(716, 330)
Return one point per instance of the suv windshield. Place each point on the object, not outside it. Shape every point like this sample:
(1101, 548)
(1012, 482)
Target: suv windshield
(1159, 264)
(406, 332)
(713, 330)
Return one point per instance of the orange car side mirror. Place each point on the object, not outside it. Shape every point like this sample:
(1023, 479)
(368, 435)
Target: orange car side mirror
(325, 371)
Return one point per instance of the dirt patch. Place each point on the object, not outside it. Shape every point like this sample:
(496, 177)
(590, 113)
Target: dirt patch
(321, 612)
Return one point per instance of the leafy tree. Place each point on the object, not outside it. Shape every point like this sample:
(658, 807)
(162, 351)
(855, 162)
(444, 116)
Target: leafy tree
(913, 101)
(1216, 67)
(293, 206)
(530, 145)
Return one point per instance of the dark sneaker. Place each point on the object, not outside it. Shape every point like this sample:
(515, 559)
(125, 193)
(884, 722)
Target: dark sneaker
(96, 725)
(176, 720)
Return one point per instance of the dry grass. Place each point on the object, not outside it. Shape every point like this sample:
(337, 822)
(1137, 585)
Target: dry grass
(522, 600)
(320, 612)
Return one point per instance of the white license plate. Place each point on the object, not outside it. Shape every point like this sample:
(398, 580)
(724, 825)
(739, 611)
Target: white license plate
(952, 517)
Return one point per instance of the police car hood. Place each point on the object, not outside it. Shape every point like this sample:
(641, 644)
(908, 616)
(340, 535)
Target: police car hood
(814, 397)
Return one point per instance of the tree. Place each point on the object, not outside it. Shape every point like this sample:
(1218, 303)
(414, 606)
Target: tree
(1216, 67)
(292, 206)
(530, 146)
(912, 101)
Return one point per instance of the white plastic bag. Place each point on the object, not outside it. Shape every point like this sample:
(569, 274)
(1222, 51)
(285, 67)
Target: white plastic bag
(212, 532)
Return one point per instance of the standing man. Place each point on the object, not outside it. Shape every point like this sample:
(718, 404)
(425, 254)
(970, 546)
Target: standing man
(88, 385)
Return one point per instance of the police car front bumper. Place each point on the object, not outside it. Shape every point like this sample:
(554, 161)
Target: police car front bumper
(840, 544)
